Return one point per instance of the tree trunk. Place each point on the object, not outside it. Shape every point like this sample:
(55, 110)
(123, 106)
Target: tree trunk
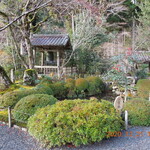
(5, 77)
(24, 63)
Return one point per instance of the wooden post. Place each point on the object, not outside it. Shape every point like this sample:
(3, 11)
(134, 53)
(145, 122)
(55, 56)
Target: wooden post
(126, 120)
(34, 55)
(149, 66)
(9, 117)
(42, 58)
(42, 61)
(58, 64)
(12, 75)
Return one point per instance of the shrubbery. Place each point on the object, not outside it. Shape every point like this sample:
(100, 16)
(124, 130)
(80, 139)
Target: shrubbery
(46, 80)
(43, 89)
(11, 98)
(96, 85)
(139, 112)
(81, 85)
(143, 88)
(74, 121)
(70, 83)
(59, 89)
(27, 106)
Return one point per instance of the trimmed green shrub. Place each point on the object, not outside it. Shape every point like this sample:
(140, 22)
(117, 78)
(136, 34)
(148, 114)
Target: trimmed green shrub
(59, 89)
(96, 85)
(143, 88)
(70, 83)
(46, 80)
(139, 112)
(81, 84)
(27, 106)
(43, 89)
(11, 98)
(4, 115)
(74, 121)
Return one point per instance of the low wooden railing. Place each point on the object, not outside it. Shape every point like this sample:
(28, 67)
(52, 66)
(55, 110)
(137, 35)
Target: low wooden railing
(53, 70)
(46, 70)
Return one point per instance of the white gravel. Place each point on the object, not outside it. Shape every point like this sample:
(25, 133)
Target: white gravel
(14, 139)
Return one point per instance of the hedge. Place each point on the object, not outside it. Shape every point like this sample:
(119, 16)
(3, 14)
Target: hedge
(139, 112)
(143, 88)
(74, 121)
(27, 106)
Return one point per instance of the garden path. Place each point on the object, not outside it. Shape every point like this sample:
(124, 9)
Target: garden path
(135, 138)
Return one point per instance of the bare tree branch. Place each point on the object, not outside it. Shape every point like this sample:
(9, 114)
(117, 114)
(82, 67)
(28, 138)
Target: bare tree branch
(25, 13)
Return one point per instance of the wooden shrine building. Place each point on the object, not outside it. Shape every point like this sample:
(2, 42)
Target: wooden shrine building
(49, 54)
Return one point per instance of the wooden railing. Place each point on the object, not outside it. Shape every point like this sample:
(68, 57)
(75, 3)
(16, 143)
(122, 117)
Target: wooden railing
(47, 70)
(53, 70)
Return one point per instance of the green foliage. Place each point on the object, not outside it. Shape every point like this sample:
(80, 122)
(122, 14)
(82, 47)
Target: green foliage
(11, 88)
(46, 80)
(142, 72)
(96, 85)
(139, 112)
(4, 115)
(143, 88)
(70, 83)
(11, 98)
(44, 89)
(2, 87)
(90, 62)
(30, 76)
(142, 37)
(28, 105)
(76, 122)
(59, 89)
(81, 84)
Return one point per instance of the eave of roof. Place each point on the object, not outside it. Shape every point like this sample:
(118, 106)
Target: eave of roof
(51, 41)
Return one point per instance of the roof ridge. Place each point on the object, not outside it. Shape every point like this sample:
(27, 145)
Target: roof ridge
(49, 35)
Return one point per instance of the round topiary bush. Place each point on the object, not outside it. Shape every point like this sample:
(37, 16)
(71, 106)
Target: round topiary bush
(81, 84)
(143, 88)
(11, 98)
(43, 89)
(59, 89)
(70, 83)
(74, 121)
(27, 106)
(139, 112)
(96, 85)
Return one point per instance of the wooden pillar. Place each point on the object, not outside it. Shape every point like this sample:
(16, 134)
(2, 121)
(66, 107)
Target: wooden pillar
(58, 64)
(149, 66)
(42, 58)
(34, 55)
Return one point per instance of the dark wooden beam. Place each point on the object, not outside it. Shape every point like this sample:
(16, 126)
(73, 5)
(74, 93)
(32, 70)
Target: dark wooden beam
(149, 66)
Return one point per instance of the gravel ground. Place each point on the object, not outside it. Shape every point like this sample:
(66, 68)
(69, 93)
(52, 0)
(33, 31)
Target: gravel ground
(136, 138)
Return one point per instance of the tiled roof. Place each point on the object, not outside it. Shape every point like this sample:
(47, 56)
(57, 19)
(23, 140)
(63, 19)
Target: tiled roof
(141, 56)
(50, 40)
